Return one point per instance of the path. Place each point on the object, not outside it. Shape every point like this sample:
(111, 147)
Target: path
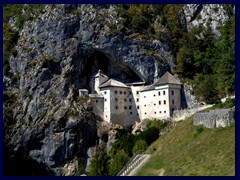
(131, 167)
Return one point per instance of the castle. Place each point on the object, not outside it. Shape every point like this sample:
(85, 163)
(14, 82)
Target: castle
(125, 104)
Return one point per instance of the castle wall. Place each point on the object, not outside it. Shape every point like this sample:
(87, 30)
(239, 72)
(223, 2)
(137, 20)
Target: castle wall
(214, 118)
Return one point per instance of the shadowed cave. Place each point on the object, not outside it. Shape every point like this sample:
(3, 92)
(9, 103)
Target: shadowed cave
(112, 68)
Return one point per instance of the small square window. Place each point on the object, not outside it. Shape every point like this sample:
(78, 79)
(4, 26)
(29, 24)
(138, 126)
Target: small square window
(137, 100)
(125, 92)
(116, 107)
(164, 102)
(159, 102)
(160, 112)
(105, 92)
(145, 113)
(116, 92)
(144, 96)
(130, 100)
(130, 107)
(154, 104)
(155, 112)
(137, 92)
(125, 107)
(116, 99)
(130, 112)
(164, 111)
(105, 100)
(96, 101)
(154, 95)
(137, 107)
(145, 105)
(159, 93)
(125, 100)
(163, 92)
(130, 92)
(120, 92)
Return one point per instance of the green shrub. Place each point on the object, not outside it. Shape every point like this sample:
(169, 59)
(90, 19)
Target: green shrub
(140, 146)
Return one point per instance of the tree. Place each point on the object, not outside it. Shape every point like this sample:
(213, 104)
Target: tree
(118, 162)
(99, 165)
(140, 146)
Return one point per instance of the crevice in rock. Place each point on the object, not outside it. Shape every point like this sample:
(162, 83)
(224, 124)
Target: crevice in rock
(96, 60)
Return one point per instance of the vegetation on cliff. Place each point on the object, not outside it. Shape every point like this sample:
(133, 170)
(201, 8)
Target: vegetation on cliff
(188, 150)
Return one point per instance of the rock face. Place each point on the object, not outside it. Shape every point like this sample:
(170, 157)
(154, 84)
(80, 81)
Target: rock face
(213, 15)
(215, 118)
(55, 56)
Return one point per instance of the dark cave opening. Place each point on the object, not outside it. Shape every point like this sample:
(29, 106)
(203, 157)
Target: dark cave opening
(112, 68)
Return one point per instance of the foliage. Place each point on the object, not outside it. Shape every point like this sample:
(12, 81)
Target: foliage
(99, 165)
(118, 162)
(179, 153)
(140, 146)
(20, 14)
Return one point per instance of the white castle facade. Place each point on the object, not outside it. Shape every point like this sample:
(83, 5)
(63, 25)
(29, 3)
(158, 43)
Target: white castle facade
(125, 104)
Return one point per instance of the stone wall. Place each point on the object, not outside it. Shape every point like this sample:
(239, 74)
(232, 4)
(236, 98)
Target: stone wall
(215, 118)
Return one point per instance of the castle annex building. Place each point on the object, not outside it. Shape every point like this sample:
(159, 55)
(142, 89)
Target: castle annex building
(124, 104)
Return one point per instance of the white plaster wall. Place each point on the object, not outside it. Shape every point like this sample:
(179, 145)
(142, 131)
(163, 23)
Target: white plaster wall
(98, 106)
(106, 113)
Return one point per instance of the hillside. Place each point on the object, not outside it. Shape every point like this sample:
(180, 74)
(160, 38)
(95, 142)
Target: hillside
(189, 150)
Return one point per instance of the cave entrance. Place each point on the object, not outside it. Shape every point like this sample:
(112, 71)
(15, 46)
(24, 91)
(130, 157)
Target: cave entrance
(112, 68)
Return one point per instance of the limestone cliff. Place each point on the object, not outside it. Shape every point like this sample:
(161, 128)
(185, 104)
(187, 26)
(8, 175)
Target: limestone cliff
(55, 56)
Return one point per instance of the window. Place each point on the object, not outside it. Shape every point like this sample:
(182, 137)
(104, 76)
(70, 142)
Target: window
(154, 104)
(172, 101)
(145, 113)
(116, 107)
(137, 92)
(125, 92)
(130, 112)
(120, 92)
(125, 100)
(116, 99)
(137, 114)
(144, 96)
(105, 100)
(164, 102)
(159, 102)
(96, 101)
(106, 116)
(145, 105)
(164, 111)
(163, 92)
(137, 107)
(155, 112)
(172, 92)
(130, 107)
(154, 95)
(130, 92)
(159, 93)
(83, 93)
(116, 92)
(105, 92)
(137, 100)
(160, 112)
(130, 100)
(125, 107)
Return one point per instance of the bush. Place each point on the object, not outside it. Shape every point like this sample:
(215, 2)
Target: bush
(139, 147)
(118, 163)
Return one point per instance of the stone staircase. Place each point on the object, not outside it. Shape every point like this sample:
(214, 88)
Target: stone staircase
(132, 164)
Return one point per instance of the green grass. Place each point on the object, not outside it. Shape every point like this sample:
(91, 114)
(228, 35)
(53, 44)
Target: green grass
(189, 150)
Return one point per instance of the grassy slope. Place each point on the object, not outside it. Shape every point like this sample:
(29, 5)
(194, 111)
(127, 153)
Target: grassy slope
(183, 152)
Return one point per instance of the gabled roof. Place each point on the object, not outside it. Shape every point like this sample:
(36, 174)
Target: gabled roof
(147, 88)
(113, 83)
(167, 78)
